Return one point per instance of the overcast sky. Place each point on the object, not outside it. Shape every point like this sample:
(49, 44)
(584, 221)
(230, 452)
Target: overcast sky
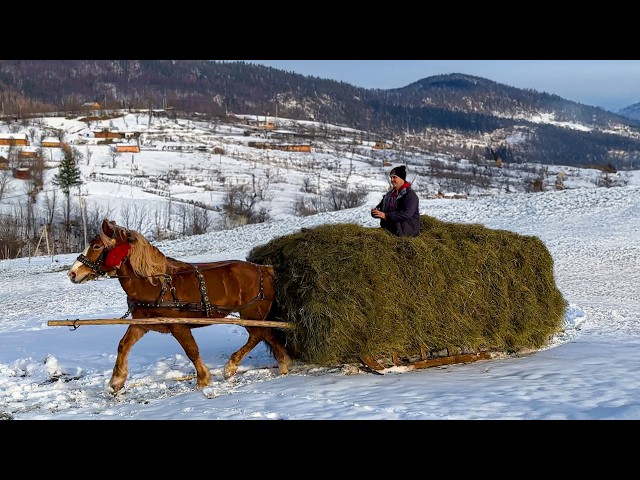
(610, 84)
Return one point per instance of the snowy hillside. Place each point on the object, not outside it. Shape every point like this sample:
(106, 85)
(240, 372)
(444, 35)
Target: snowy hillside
(191, 163)
(590, 371)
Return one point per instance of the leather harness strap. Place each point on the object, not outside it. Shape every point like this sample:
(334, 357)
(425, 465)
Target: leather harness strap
(204, 306)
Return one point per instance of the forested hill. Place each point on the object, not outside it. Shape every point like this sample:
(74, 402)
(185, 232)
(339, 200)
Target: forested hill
(519, 125)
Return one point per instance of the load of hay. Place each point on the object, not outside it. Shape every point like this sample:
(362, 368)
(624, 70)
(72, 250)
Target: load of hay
(354, 292)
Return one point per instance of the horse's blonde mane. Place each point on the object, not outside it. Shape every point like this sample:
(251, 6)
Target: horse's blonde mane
(146, 260)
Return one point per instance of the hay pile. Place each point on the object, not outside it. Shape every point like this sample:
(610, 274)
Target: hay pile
(354, 291)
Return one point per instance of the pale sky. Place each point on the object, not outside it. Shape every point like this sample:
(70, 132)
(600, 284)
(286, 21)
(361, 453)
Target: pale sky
(610, 84)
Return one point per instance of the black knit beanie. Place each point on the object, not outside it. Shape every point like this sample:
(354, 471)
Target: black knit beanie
(400, 171)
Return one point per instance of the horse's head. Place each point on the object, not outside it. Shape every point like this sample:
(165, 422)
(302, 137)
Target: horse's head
(104, 254)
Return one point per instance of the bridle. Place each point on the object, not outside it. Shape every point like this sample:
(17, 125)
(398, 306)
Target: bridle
(95, 266)
(102, 258)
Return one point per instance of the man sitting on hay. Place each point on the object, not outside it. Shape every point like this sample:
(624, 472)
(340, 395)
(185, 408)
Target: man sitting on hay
(399, 209)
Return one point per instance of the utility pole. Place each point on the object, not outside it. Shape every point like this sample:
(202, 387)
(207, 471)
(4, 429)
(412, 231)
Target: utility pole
(83, 211)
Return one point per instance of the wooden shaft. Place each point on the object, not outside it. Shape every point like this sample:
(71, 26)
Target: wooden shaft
(156, 320)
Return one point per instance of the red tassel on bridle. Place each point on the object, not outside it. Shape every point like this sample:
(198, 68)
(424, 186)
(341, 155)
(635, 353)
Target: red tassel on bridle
(116, 256)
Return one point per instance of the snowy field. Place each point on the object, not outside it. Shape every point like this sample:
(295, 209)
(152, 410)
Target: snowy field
(591, 371)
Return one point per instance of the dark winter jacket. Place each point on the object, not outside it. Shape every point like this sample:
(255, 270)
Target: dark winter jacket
(402, 211)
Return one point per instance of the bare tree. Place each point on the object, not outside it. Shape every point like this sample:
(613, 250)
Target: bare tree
(35, 182)
(114, 153)
(13, 155)
(158, 228)
(307, 206)
(240, 205)
(200, 221)
(134, 217)
(10, 237)
(261, 185)
(95, 214)
(88, 154)
(49, 208)
(308, 186)
(7, 186)
(340, 198)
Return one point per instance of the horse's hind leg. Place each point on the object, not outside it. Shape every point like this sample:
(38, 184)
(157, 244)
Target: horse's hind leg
(120, 369)
(183, 335)
(279, 351)
(255, 337)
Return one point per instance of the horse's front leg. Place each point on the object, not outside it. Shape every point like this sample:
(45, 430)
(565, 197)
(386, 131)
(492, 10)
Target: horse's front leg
(182, 333)
(255, 337)
(120, 369)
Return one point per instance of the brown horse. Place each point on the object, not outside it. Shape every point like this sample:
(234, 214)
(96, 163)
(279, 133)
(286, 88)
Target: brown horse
(159, 286)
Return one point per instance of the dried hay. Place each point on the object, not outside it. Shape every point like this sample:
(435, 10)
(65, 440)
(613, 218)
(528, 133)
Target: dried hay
(354, 291)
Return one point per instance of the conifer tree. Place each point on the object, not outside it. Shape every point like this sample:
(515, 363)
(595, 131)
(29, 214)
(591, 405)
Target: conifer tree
(68, 176)
(68, 173)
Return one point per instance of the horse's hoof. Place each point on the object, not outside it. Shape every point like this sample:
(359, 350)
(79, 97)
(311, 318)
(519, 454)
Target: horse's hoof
(200, 384)
(115, 386)
(284, 365)
(114, 391)
(229, 371)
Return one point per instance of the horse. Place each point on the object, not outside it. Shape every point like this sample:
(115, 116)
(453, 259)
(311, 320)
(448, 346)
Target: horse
(160, 286)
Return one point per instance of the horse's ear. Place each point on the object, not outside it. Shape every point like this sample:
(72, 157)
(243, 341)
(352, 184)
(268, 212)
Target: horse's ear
(108, 232)
(108, 227)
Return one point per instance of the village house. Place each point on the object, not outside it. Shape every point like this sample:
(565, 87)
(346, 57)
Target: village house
(90, 106)
(279, 146)
(106, 133)
(18, 139)
(50, 142)
(28, 152)
(127, 147)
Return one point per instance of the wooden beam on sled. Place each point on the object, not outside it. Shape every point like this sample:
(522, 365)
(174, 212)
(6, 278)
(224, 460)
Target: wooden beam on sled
(373, 364)
(156, 320)
(453, 359)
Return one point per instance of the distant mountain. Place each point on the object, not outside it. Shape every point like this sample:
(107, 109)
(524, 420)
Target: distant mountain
(632, 111)
(486, 117)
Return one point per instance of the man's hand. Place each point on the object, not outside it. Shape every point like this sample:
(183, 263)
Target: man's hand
(378, 214)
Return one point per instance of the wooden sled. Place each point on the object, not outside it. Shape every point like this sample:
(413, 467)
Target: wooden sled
(423, 359)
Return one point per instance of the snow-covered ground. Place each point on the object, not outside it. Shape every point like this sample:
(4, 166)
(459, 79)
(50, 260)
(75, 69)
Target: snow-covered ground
(591, 371)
